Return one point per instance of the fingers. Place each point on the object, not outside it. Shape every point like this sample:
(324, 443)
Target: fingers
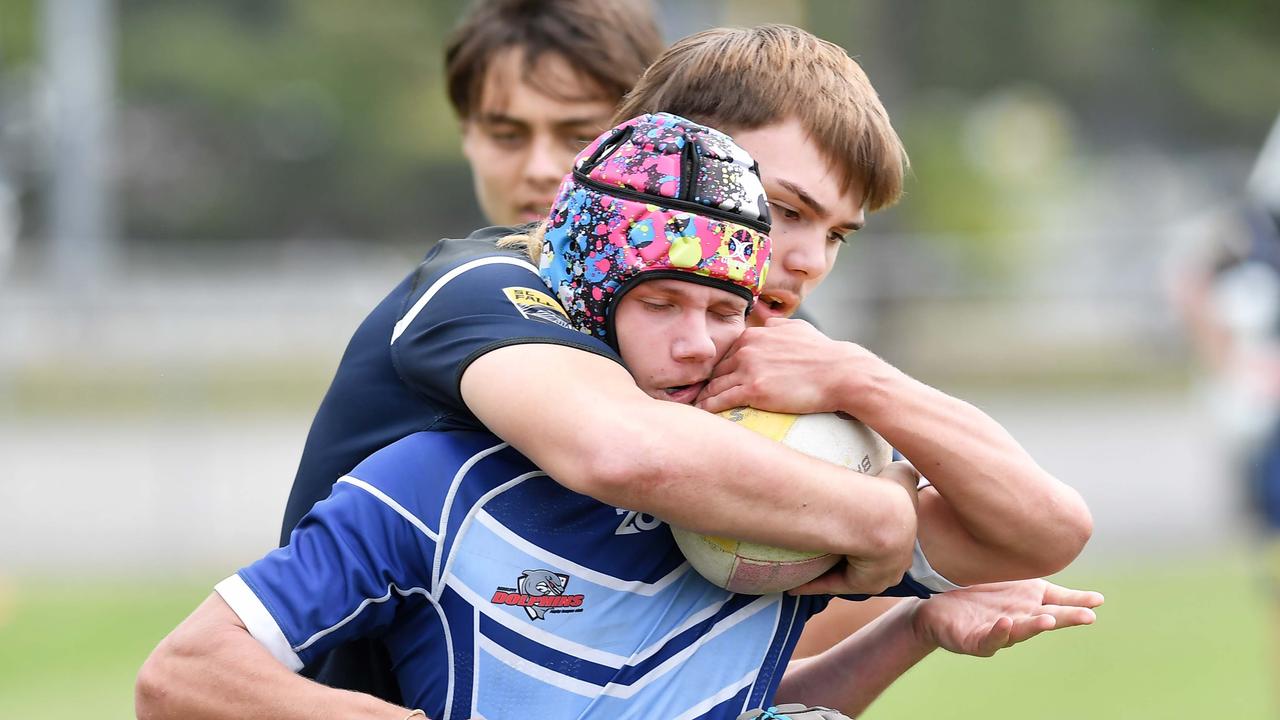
(1058, 595)
(1070, 616)
(719, 400)
(900, 470)
(1027, 628)
(998, 636)
(848, 579)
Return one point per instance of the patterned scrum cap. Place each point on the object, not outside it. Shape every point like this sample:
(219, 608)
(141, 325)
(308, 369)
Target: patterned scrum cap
(658, 196)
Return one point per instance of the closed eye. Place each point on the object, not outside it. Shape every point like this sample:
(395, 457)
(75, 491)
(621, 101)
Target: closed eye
(786, 212)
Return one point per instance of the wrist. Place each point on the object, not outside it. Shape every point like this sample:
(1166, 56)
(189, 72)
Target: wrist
(921, 635)
(865, 384)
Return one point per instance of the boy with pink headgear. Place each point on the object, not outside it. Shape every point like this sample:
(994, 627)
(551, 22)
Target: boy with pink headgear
(497, 591)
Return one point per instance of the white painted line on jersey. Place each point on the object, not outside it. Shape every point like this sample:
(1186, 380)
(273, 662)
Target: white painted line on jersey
(448, 646)
(448, 506)
(408, 318)
(539, 673)
(261, 625)
(386, 500)
(760, 603)
(521, 626)
(725, 693)
(791, 623)
(360, 608)
(588, 689)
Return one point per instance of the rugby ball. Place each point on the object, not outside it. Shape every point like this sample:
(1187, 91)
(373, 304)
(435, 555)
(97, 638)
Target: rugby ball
(754, 569)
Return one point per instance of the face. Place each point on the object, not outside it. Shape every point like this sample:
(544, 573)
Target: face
(811, 217)
(671, 333)
(520, 142)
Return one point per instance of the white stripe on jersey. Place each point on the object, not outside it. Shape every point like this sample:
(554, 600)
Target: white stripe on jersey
(360, 608)
(408, 318)
(258, 621)
(484, 607)
(588, 689)
(436, 573)
(795, 610)
(632, 586)
(725, 693)
(386, 500)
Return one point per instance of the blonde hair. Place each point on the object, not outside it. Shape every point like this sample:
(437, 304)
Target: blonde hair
(529, 243)
(744, 79)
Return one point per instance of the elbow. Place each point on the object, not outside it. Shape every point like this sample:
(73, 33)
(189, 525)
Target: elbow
(891, 538)
(1067, 530)
(1077, 524)
(149, 690)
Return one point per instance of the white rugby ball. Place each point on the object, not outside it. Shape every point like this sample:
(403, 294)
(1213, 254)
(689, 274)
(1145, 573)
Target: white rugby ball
(754, 569)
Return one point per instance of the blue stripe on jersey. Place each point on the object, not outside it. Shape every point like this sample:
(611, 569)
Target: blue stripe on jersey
(534, 602)
(791, 622)
(559, 524)
(486, 561)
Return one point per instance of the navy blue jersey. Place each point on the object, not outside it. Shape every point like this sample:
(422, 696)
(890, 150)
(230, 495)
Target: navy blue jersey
(498, 593)
(400, 375)
(401, 370)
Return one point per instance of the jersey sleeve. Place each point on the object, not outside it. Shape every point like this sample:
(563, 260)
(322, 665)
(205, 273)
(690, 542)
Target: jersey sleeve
(348, 565)
(460, 312)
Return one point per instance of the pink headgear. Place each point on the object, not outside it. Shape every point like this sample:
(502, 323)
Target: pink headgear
(658, 196)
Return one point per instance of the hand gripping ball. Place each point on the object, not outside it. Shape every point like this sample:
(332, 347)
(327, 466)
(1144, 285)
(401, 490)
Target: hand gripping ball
(747, 567)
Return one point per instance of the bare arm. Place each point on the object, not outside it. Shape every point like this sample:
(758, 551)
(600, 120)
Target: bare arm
(586, 424)
(211, 668)
(994, 514)
(979, 620)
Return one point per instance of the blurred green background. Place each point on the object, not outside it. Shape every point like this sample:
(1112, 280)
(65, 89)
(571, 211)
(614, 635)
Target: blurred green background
(269, 168)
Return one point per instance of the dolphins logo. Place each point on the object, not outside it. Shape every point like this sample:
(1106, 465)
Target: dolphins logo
(538, 583)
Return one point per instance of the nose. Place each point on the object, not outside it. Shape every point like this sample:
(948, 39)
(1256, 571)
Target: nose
(693, 341)
(547, 163)
(802, 253)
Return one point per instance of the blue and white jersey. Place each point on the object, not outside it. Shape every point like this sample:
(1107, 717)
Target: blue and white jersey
(499, 593)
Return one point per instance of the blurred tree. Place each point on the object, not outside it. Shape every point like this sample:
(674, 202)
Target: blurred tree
(326, 118)
(289, 118)
(17, 36)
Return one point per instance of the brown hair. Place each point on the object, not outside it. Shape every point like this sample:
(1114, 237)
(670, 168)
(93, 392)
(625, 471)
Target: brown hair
(607, 42)
(745, 79)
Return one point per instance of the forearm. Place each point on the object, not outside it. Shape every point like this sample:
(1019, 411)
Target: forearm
(853, 673)
(1005, 502)
(712, 476)
(211, 668)
(688, 467)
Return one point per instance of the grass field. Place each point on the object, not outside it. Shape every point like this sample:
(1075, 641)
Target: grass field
(1172, 642)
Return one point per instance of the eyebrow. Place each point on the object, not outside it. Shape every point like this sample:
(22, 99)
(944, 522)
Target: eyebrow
(677, 292)
(503, 118)
(813, 204)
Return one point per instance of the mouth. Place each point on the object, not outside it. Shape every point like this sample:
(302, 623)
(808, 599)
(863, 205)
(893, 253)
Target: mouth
(535, 211)
(684, 394)
(781, 302)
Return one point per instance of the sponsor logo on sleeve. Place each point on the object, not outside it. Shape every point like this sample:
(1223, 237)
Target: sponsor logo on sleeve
(535, 305)
(539, 592)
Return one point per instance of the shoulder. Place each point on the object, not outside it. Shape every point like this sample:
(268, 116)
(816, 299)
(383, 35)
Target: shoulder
(424, 464)
(459, 277)
(476, 250)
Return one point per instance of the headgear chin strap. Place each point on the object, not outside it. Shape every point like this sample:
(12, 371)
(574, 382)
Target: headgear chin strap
(657, 196)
